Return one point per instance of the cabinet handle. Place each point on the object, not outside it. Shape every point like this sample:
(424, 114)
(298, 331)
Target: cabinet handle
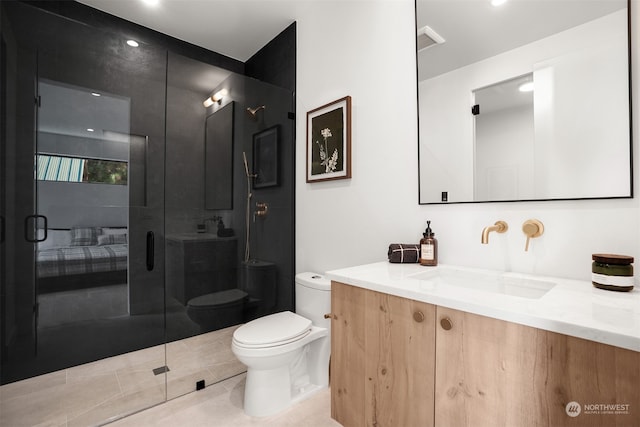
(418, 316)
(446, 323)
(328, 316)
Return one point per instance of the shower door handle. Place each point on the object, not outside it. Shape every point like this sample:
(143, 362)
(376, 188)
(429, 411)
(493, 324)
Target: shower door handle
(150, 250)
(33, 236)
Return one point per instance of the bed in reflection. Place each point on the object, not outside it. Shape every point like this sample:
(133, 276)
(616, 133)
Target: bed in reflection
(82, 257)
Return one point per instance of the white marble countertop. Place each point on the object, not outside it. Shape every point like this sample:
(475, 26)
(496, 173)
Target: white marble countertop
(571, 307)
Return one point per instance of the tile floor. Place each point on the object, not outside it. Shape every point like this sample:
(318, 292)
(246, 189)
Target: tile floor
(220, 405)
(92, 393)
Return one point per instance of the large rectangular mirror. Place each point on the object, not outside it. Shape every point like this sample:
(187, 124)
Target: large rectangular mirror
(486, 136)
(218, 158)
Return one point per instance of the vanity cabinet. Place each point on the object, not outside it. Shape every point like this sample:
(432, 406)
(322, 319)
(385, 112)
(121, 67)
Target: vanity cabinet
(382, 359)
(490, 373)
(198, 264)
(460, 369)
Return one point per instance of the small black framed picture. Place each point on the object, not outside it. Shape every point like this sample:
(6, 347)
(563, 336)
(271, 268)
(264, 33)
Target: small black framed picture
(265, 157)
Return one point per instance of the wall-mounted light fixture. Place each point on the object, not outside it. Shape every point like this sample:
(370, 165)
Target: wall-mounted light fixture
(526, 87)
(215, 98)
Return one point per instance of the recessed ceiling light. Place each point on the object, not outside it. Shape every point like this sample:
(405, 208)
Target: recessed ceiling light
(90, 130)
(132, 43)
(526, 87)
(151, 2)
(498, 2)
(95, 94)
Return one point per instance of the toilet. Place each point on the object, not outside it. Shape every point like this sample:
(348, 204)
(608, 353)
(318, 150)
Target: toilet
(286, 353)
(256, 294)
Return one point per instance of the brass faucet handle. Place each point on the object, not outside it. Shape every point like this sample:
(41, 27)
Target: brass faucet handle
(532, 228)
(501, 227)
(261, 210)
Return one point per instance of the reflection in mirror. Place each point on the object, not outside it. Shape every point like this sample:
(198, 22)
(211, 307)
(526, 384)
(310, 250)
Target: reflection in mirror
(568, 138)
(504, 140)
(218, 158)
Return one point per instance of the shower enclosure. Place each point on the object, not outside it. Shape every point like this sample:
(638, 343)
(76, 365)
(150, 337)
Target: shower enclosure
(102, 177)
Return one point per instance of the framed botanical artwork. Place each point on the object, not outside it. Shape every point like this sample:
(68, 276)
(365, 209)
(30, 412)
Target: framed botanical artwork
(265, 157)
(329, 141)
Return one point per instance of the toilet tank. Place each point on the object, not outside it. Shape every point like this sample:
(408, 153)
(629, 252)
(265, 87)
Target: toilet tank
(258, 279)
(313, 298)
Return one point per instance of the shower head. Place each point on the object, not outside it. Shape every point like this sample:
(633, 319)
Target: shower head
(252, 111)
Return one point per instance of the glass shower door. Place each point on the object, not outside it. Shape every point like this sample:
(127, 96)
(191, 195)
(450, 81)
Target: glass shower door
(90, 304)
(205, 212)
(101, 116)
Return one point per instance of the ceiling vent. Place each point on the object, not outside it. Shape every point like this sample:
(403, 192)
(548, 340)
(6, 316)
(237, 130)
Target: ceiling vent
(427, 38)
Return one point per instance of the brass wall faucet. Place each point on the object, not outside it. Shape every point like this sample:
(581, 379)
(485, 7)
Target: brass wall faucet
(532, 228)
(498, 227)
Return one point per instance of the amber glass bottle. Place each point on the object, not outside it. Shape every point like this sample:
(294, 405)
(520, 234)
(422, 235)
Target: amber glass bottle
(428, 247)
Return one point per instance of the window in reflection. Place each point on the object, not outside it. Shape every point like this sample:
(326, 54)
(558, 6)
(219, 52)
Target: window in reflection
(74, 169)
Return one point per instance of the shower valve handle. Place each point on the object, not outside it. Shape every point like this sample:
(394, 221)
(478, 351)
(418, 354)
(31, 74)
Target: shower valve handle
(261, 210)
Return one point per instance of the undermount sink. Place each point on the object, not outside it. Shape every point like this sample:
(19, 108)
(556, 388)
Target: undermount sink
(497, 283)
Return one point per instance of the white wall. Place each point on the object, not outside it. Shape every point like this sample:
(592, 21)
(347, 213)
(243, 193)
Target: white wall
(576, 142)
(83, 204)
(365, 49)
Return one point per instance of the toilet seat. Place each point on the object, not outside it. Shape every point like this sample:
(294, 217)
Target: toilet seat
(217, 299)
(273, 330)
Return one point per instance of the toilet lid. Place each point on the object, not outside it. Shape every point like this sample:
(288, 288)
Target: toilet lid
(228, 296)
(272, 329)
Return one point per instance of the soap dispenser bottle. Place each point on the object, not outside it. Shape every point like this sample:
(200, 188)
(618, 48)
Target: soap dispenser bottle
(428, 247)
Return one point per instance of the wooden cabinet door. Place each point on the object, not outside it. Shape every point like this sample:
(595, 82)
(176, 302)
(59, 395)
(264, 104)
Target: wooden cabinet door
(382, 361)
(347, 354)
(400, 361)
(495, 373)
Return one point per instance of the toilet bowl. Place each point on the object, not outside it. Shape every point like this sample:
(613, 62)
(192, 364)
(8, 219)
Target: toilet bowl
(217, 310)
(286, 353)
